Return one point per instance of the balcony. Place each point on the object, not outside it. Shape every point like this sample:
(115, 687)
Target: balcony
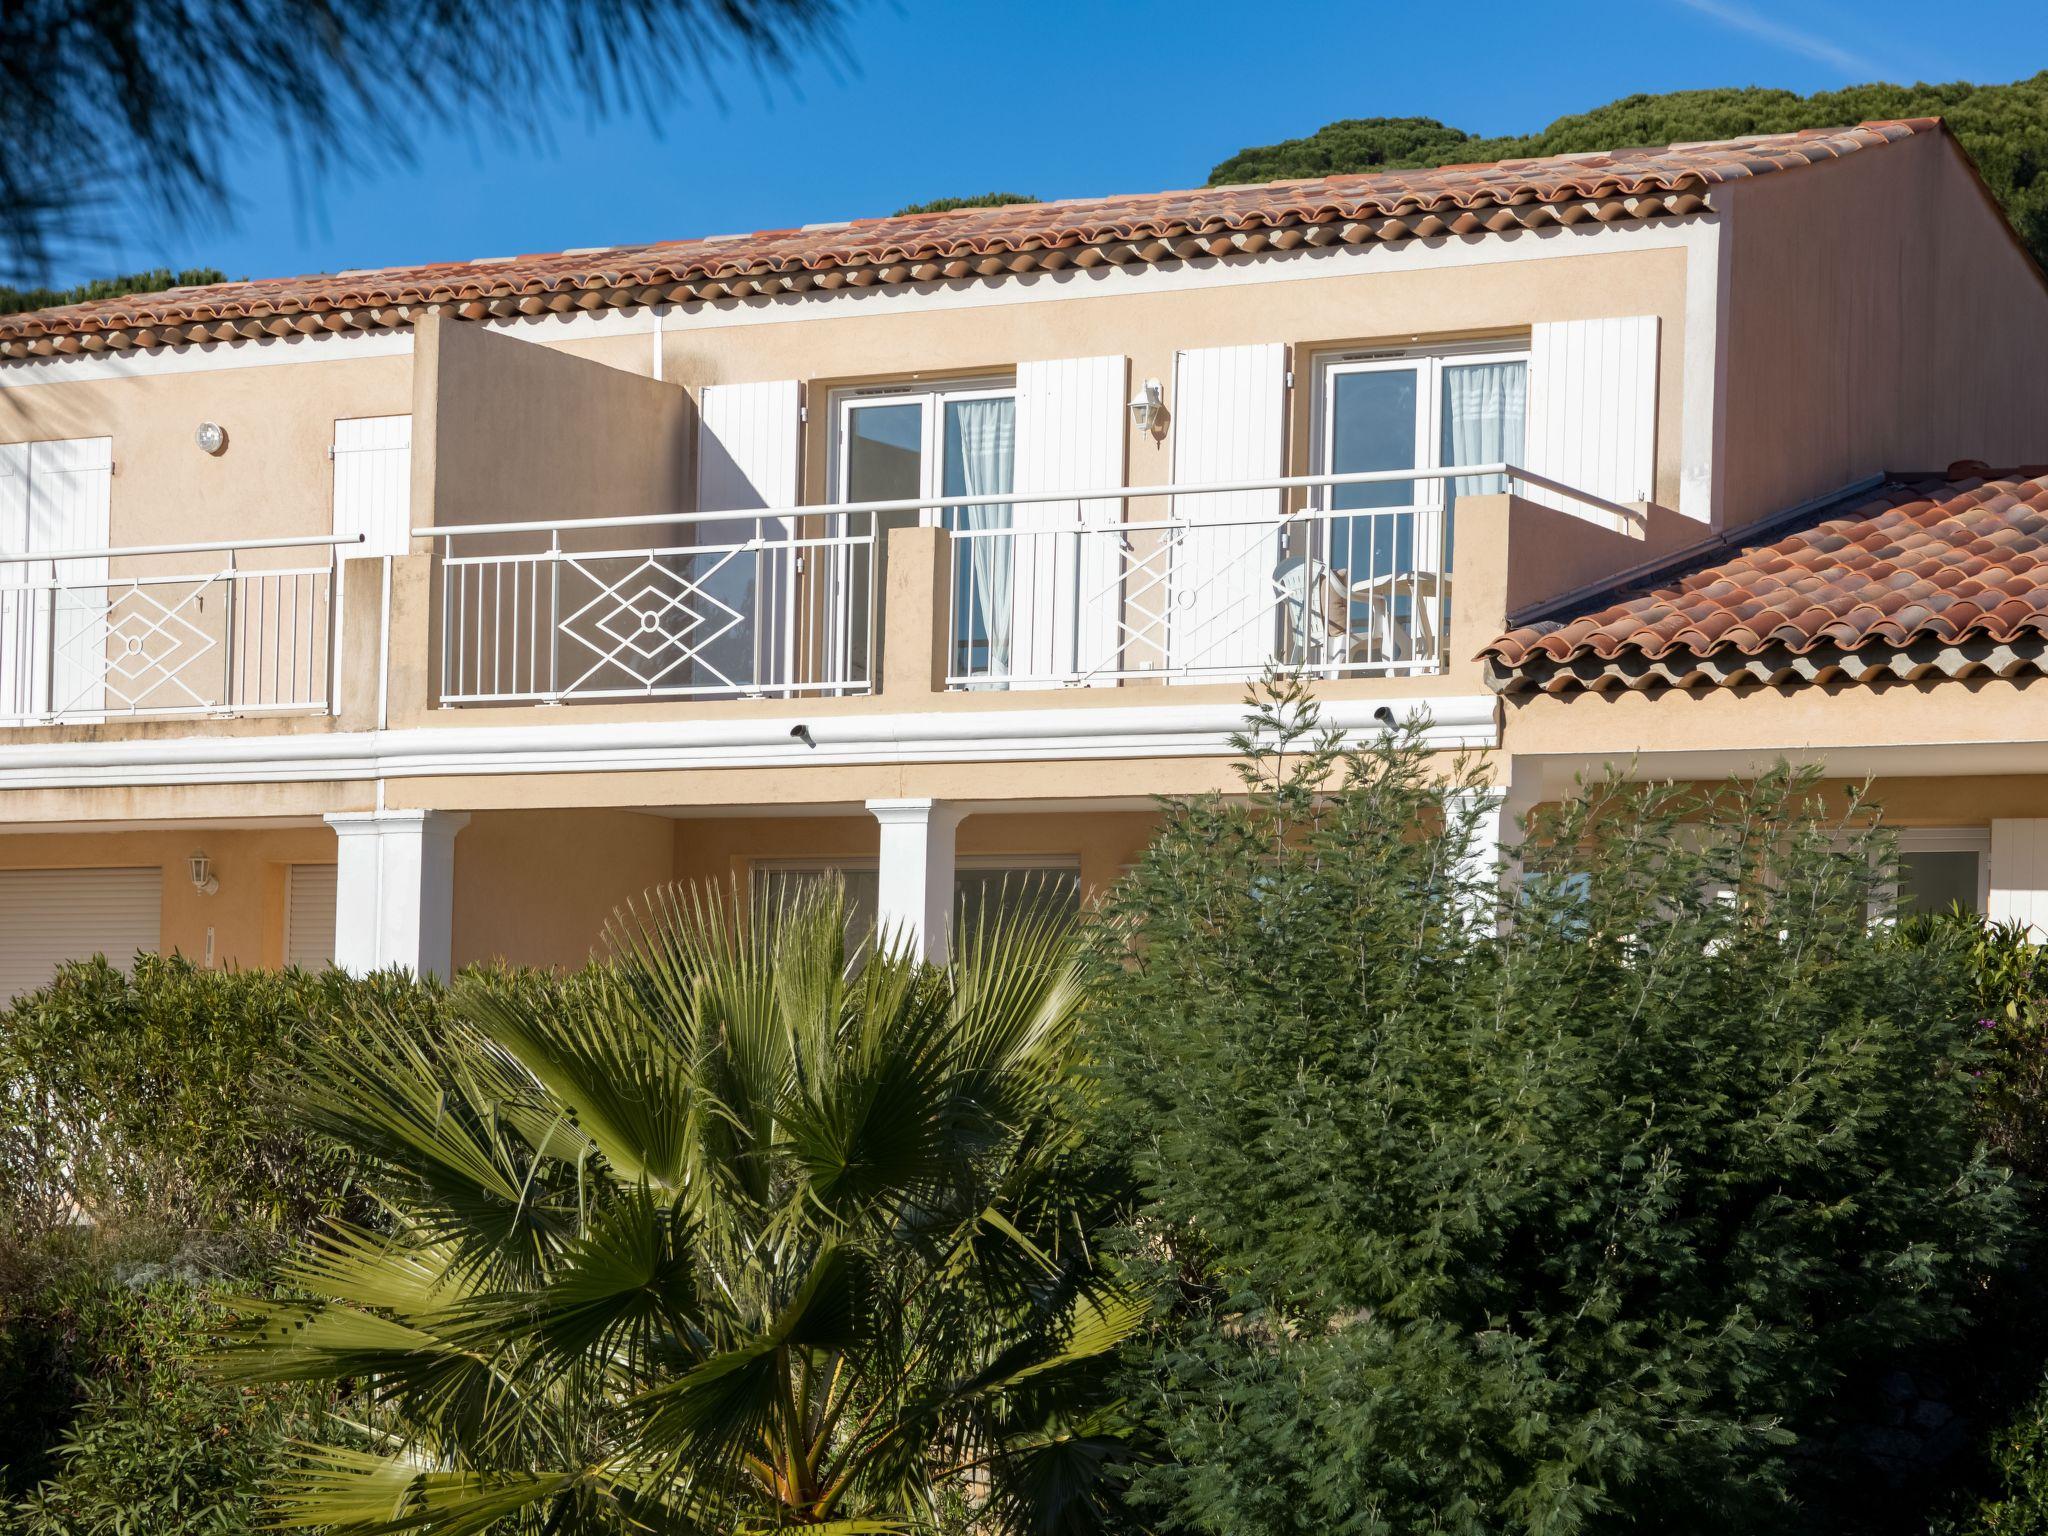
(241, 627)
(1349, 578)
(1119, 586)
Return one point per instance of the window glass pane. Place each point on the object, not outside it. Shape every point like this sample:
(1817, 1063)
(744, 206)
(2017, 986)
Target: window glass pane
(977, 891)
(883, 452)
(1484, 409)
(1931, 881)
(979, 439)
(776, 890)
(1373, 426)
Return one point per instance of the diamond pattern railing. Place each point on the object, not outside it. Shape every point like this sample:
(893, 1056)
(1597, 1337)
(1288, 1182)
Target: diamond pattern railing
(1350, 593)
(771, 614)
(227, 640)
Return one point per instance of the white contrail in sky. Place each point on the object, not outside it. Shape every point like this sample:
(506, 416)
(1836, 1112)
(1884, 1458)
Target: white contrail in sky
(1820, 49)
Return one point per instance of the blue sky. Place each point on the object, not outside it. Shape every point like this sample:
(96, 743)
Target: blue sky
(1056, 99)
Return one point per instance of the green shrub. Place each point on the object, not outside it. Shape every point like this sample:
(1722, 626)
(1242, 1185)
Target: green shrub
(151, 1097)
(1596, 1219)
(149, 1180)
(151, 1444)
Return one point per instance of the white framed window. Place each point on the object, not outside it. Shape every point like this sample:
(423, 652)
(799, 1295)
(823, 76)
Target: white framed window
(1420, 410)
(978, 880)
(897, 442)
(1941, 867)
(1408, 411)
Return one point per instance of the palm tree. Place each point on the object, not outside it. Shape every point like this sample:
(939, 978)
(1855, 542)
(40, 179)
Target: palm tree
(739, 1231)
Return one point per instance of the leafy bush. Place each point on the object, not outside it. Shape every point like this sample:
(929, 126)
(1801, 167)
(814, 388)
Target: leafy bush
(2004, 127)
(151, 1098)
(151, 1444)
(979, 200)
(1593, 1219)
(149, 1180)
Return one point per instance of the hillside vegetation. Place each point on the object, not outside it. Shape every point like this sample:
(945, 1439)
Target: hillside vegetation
(14, 301)
(2004, 128)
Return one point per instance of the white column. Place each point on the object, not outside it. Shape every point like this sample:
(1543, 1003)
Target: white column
(915, 893)
(1499, 810)
(394, 890)
(2019, 874)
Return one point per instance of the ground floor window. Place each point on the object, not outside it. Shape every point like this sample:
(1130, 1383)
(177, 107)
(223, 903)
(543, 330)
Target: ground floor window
(1940, 869)
(981, 883)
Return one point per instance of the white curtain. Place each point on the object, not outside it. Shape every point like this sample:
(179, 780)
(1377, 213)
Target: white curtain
(981, 460)
(1485, 408)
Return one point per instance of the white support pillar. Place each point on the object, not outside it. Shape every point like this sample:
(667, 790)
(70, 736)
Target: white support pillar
(915, 888)
(1499, 810)
(2019, 874)
(394, 890)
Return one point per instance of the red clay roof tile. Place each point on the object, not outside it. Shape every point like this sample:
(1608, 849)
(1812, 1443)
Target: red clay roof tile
(1955, 560)
(967, 243)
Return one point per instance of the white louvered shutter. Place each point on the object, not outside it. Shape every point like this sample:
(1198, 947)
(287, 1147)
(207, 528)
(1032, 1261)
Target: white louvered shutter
(1066, 589)
(17, 606)
(749, 445)
(309, 916)
(1593, 409)
(49, 916)
(1229, 415)
(2019, 874)
(70, 486)
(373, 484)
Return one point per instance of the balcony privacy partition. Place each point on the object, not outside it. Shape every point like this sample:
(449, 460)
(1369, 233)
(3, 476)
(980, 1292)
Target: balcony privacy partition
(182, 629)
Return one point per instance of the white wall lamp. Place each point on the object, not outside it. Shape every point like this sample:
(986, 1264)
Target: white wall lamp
(212, 438)
(203, 879)
(1148, 409)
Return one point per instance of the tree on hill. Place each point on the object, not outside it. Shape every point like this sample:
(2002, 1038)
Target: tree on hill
(2004, 128)
(15, 301)
(948, 204)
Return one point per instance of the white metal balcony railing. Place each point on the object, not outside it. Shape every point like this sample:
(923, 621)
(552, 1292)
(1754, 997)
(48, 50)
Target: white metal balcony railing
(1048, 589)
(1063, 592)
(751, 607)
(80, 644)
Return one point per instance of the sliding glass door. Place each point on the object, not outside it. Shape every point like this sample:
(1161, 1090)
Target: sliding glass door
(1387, 567)
(957, 440)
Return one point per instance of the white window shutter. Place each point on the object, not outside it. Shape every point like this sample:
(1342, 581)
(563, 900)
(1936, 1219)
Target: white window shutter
(749, 460)
(1593, 409)
(2019, 874)
(373, 484)
(50, 916)
(1066, 589)
(17, 607)
(70, 500)
(1229, 421)
(309, 902)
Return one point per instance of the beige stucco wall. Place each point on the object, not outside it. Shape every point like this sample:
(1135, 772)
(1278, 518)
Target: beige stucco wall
(537, 888)
(274, 479)
(1880, 316)
(719, 850)
(506, 432)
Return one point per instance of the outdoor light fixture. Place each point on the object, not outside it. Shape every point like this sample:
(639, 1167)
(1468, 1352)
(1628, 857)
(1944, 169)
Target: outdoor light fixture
(212, 438)
(1148, 409)
(203, 880)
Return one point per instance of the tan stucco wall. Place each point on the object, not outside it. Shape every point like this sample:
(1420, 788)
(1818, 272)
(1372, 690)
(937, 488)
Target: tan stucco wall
(507, 432)
(1880, 317)
(246, 914)
(274, 479)
(537, 888)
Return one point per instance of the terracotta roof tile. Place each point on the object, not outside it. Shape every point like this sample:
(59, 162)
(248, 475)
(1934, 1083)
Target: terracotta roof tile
(1959, 559)
(983, 242)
